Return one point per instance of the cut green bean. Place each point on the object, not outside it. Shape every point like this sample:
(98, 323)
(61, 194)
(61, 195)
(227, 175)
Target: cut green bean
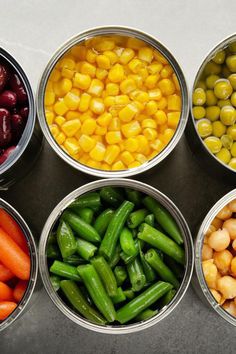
(119, 297)
(78, 301)
(85, 249)
(136, 275)
(128, 259)
(111, 196)
(134, 196)
(97, 291)
(115, 257)
(53, 251)
(120, 274)
(55, 281)
(85, 214)
(66, 240)
(148, 270)
(129, 293)
(65, 270)
(136, 218)
(83, 229)
(150, 220)
(162, 242)
(146, 315)
(104, 271)
(164, 218)
(102, 221)
(89, 200)
(75, 260)
(127, 242)
(109, 242)
(166, 299)
(162, 270)
(142, 301)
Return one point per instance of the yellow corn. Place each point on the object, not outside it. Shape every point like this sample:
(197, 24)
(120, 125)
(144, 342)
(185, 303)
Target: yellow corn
(157, 145)
(60, 120)
(122, 100)
(150, 133)
(72, 115)
(113, 137)
(72, 146)
(131, 129)
(111, 154)
(126, 157)
(174, 103)
(140, 158)
(94, 164)
(101, 73)
(97, 105)
(71, 100)
(55, 75)
(60, 138)
(91, 56)
(126, 55)
(67, 73)
(101, 130)
(98, 152)
(96, 87)
(159, 57)
(143, 144)
(131, 144)
(112, 56)
(145, 54)
(167, 135)
(162, 128)
(155, 68)
(134, 164)
(104, 44)
(67, 63)
(88, 69)
(142, 96)
(112, 89)
(60, 108)
(114, 124)
(166, 72)
(86, 115)
(104, 119)
(149, 123)
(81, 81)
(79, 52)
(105, 166)
(128, 113)
(122, 146)
(151, 107)
(89, 126)
(135, 65)
(103, 62)
(118, 166)
(86, 143)
(109, 101)
(65, 86)
(161, 117)
(98, 138)
(84, 158)
(176, 82)
(152, 155)
(134, 43)
(49, 98)
(116, 73)
(49, 117)
(71, 127)
(155, 94)
(127, 86)
(84, 102)
(151, 81)
(166, 86)
(138, 79)
(54, 130)
(143, 72)
(173, 119)
(162, 103)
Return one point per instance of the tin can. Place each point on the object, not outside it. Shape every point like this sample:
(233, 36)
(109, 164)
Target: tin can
(199, 282)
(104, 31)
(29, 146)
(125, 183)
(208, 160)
(24, 303)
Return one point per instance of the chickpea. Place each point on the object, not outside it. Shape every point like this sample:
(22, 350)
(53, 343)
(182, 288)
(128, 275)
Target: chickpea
(217, 223)
(211, 229)
(232, 206)
(234, 244)
(223, 260)
(230, 307)
(233, 267)
(207, 252)
(227, 286)
(230, 226)
(225, 213)
(216, 295)
(219, 240)
(210, 273)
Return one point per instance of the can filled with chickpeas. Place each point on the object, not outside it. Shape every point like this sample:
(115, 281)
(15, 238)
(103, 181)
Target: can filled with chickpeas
(215, 258)
(211, 131)
(112, 102)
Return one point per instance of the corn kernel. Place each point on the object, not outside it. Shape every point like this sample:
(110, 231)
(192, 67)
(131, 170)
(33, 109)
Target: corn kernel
(134, 164)
(145, 54)
(122, 146)
(159, 57)
(88, 69)
(104, 44)
(166, 86)
(49, 117)
(174, 103)
(91, 56)
(109, 101)
(118, 166)
(97, 138)
(101, 130)
(67, 63)
(149, 123)
(105, 166)
(126, 157)
(54, 130)
(111, 154)
(60, 138)
(140, 158)
(173, 119)
(143, 72)
(150, 133)
(142, 97)
(65, 86)
(55, 75)
(167, 135)
(72, 146)
(157, 145)
(127, 86)
(143, 144)
(71, 100)
(131, 129)
(60, 120)
(82, 81)
(114, 124)
(94, 164)
(155, 68)
(97, 105)
(84, 102)
(112, 56)
(101, 74)
(79, 52)
(151, 107)
(166, 72)
(96, 87)
(138, 79)
(49, 98)
(116, 73)
(135, 65)
(57, 89)
(126, 56)
(155, 94)
(113, 137)
(49, 86)
(176, 82)
(103, 62)
(152, 155)
(72, 115)
(71, 127)
(162, 103)
(131, 144)
(161, 117)
(67, 73)
(88, 127)
(122, 100)
(151, 81)
(60, 108)
(98, 152)
(104, 119)
(86, 143)
(128, 113)
(162, 128)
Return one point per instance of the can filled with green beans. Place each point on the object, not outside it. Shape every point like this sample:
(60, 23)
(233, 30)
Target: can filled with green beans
(116, 256)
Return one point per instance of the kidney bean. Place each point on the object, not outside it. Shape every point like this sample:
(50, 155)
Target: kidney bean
(24, 112)
(17, 124)
(4, 75)
(8, 99)
(5, 127)
(4, 154)
(18, 87)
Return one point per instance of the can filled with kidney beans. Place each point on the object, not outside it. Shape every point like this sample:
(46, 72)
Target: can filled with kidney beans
(20, 135)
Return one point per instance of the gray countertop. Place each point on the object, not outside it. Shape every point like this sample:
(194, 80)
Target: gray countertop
(31, 31)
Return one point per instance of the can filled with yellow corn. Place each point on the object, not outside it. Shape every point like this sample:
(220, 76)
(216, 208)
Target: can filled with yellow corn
(112, 102)
(211, 129)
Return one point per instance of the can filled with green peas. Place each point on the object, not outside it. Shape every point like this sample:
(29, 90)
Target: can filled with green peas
(211, 131)
(116, 256)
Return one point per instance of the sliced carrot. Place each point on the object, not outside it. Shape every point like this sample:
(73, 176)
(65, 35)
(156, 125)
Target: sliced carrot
(19, 290)
(5, 273)
(12, 256)
(11, 227)
(6, 293)
(6, 308)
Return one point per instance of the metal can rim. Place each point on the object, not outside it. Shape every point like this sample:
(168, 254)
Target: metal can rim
(106, 30)
(121, 183)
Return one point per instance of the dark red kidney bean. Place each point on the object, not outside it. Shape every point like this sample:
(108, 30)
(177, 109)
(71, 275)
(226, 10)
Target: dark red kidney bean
(18, 87)
(5, 127)
(4, 154)
(4, 75)
(24, 112)
(8, 99)
(17, 125)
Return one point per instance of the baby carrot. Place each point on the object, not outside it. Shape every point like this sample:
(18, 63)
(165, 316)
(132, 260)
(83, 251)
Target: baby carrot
(5, 273)
(19, 290)
(6, 293)
(6, 308)
(12, 257)
(11, 227)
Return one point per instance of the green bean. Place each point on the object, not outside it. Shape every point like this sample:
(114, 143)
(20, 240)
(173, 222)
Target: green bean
(78, 301)
(85, 214)
(65, 270)
(127, 242)
(85, 249)
(142, 301)
(126, 258)
(164, 218)
(115, 257)
(83, 229)
(88, 200)
(55, 281)
(162, 270)
(148, 271)
(145, 315)
(104, 271)
(97, 291)
(108, 244)
(129, 293)
(75, 259)
(136, 275)
(120, 274)
(66, 240)
(111, 196)
(162, 242)
(53, 251)
(136, 218)
(150, 220)
(166, 299)
(119, 297)
(102, 221)
(134, 196)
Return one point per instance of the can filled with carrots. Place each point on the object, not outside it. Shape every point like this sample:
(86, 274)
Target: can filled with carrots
(18, 265)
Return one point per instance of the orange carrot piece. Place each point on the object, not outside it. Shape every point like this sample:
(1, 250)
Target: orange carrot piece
(6, 293)
(11, 227)
(19, 290)
(12, 257)
(6, 308)
(5, 273)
